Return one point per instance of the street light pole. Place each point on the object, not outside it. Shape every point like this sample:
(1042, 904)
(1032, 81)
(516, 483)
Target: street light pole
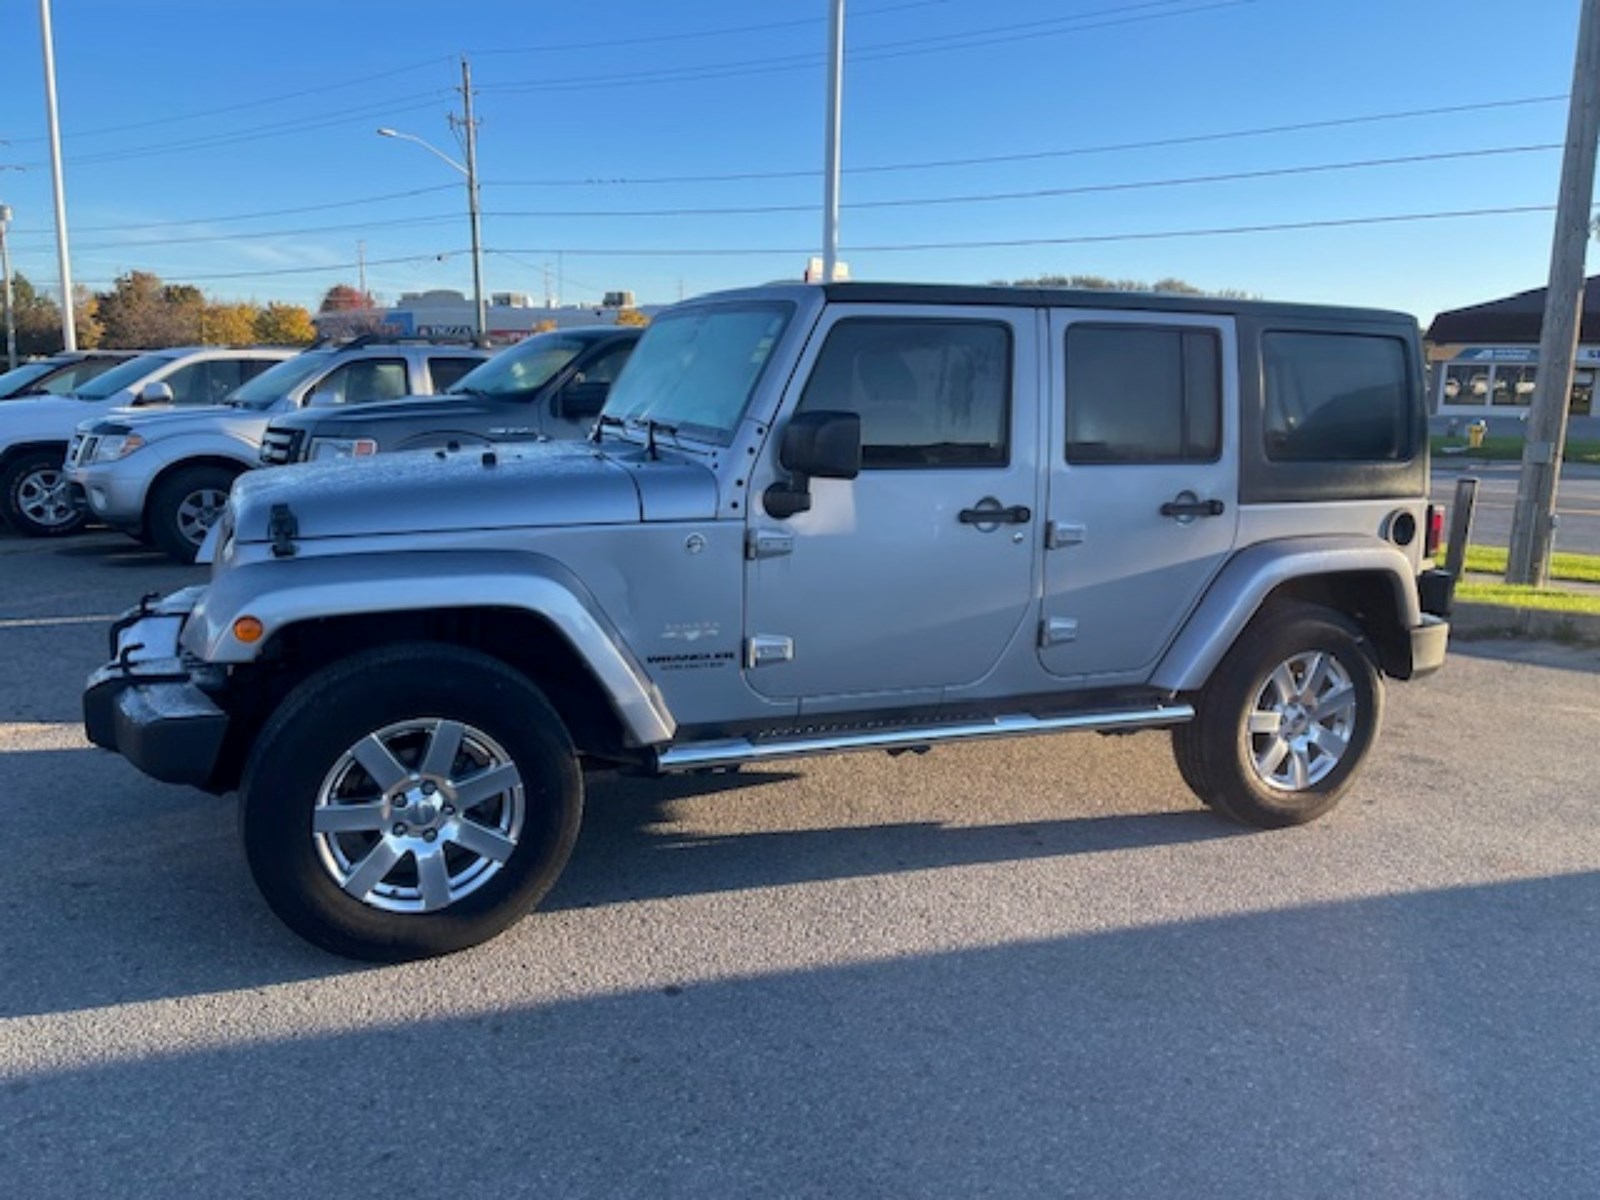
(11, 303)
(830, 184)
(470, 172)
(69, 327)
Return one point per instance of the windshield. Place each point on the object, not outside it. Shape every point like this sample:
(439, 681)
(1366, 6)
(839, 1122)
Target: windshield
(526, 367)
(273, 384)
(694, 371)
(129, 373)
(16, 380)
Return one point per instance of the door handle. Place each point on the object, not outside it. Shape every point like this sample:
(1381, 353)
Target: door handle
(1189, 509)
(1017, 514)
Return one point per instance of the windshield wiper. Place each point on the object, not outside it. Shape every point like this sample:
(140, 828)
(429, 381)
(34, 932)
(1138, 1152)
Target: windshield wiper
(651, 428)
(600, 424)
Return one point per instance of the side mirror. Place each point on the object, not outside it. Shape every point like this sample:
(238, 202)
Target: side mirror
(154, 393)
(815, 445)
(582, 399)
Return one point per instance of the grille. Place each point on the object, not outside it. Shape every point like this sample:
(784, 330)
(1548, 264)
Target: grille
(280, 446)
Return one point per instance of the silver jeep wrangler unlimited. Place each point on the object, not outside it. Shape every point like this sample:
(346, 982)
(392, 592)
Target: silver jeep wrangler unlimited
(810, 520)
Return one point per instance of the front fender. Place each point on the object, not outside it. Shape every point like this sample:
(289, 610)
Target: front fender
(282, 593)
(1251, 576)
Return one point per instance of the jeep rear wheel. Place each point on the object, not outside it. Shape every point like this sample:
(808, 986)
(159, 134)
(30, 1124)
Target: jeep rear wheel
(1286, 721)
(410, 801)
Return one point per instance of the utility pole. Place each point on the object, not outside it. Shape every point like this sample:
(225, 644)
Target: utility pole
(1533, 519)
(830, 183)
(11, 303)
(471, 127)
(69, 326)
(361, 269)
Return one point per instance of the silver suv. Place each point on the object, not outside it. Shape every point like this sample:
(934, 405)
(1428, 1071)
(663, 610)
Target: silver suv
(35, 495)
(164, 476)
(812, 520)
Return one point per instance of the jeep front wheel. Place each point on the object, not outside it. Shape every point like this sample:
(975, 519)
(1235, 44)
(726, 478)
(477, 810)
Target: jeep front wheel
(1286, 720)
(410, 801)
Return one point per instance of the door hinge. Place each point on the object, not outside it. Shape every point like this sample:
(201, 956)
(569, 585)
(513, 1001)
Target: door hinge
(768, 543)
(1053, 631)
(767, 649)
(1058, 534)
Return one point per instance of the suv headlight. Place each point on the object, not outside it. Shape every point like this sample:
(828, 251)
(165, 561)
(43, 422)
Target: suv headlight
(115, 446)
(324, 448)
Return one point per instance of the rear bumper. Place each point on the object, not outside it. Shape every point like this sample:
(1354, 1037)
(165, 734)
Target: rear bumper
(1428, 643)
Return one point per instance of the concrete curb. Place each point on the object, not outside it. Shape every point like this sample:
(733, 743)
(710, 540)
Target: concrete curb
(1472, 621)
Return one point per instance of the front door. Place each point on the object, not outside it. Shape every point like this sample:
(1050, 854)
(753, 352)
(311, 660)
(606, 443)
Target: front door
(1143, 495)
(915, 576)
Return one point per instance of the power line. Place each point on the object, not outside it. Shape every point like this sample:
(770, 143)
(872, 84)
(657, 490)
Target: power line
(245, 104)
(354, 226)
(270, 212)
(699, 35)
(1036, 155)
(1080, 239)
(996, 35)
(305, 270)
(1056, 193)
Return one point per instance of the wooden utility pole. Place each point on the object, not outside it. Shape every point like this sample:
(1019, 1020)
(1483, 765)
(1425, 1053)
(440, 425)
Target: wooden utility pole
(1533, 519)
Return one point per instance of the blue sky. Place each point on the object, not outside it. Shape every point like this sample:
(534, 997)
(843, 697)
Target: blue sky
(178, 115)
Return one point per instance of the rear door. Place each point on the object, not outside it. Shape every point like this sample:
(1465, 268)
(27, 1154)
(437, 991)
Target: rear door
(1143, 492)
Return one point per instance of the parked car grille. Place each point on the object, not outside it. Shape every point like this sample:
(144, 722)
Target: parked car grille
(81, 449)
(280, 446)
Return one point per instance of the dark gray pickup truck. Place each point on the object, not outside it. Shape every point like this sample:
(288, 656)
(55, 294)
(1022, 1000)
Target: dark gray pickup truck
(551, 386)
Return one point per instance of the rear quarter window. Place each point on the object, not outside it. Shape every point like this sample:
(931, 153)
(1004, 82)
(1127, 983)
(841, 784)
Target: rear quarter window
(1337, 397)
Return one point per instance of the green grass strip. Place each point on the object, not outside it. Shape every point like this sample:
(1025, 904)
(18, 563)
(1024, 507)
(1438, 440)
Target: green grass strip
(1569, 568)
(1502, 448)
(1517, 596)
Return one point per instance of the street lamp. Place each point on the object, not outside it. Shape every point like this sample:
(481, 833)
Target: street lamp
(470, 171)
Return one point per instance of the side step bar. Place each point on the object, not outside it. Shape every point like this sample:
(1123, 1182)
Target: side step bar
(727, 752)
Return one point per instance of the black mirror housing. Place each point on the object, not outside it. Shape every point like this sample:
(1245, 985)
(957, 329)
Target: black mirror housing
(582, 400)
(822, 445)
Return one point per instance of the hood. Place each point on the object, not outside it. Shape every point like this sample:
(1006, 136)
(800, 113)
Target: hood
(45, 416)
(326, 418)
(152, 423)
(556, 483)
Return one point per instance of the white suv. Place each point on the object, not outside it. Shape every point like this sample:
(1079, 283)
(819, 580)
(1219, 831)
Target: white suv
(35, 494)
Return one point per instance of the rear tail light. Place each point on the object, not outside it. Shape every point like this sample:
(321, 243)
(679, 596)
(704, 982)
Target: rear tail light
(1435, 534)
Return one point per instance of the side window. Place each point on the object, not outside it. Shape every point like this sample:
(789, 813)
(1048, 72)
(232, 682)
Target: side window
(1140, 394)
(188, 384)
(1336, 397)
(364, 381)
(249, 368)
(224, 375)
(446, 371)
(931, 393)
(607, 364)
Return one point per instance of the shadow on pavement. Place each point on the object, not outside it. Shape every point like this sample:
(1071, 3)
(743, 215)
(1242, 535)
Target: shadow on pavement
(1437, 1044)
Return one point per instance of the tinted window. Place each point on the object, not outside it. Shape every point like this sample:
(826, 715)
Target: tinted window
(1139, 394)
(603, 368)
(125, 375)
(930, 393)
(1336, 398)
(446, 371)
(78, 374)
(223, 377)
(188, 383)
(364, 381)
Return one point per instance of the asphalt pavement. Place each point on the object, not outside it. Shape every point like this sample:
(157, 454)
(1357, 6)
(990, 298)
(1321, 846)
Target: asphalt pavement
(1577, 502)
(1028, 969)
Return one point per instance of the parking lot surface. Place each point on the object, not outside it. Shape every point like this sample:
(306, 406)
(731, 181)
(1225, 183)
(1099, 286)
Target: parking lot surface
(1033, 968)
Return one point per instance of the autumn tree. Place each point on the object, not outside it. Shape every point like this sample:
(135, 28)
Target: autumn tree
(38, 319)
(284, 325)
(632, 316)
(228, 324)
(141, 312)
(341, 297)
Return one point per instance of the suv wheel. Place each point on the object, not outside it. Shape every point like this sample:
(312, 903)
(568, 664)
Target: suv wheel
(1286, 720)
(184, 506)
(38, 499)
(410, 801)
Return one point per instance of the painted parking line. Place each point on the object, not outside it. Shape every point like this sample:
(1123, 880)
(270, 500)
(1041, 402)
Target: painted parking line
(48, 622)
(22, 736)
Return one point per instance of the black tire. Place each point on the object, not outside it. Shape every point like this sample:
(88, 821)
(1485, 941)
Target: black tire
(36, 498)
(306, 745)
(185, 503)
(1329, 696)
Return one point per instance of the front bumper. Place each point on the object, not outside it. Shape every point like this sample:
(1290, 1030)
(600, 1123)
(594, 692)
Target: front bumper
(145, 705)
(114, 496)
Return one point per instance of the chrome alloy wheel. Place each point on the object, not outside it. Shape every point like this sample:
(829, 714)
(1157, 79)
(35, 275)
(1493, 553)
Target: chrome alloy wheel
(45, 498)
(1301, 722)
(199, 511)
(417, 815)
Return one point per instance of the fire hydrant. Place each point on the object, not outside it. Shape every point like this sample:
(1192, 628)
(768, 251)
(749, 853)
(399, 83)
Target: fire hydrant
(1475, 434)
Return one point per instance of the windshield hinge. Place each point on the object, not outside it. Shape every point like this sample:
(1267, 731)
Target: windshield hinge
(283, 528)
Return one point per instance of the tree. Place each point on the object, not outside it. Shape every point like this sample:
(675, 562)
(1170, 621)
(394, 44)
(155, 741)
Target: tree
(341, 297)
(141, 312)
(38, 319)
(284, 325)
(545, 326)
(1101, 283)
(632, 316)
(229, 324)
